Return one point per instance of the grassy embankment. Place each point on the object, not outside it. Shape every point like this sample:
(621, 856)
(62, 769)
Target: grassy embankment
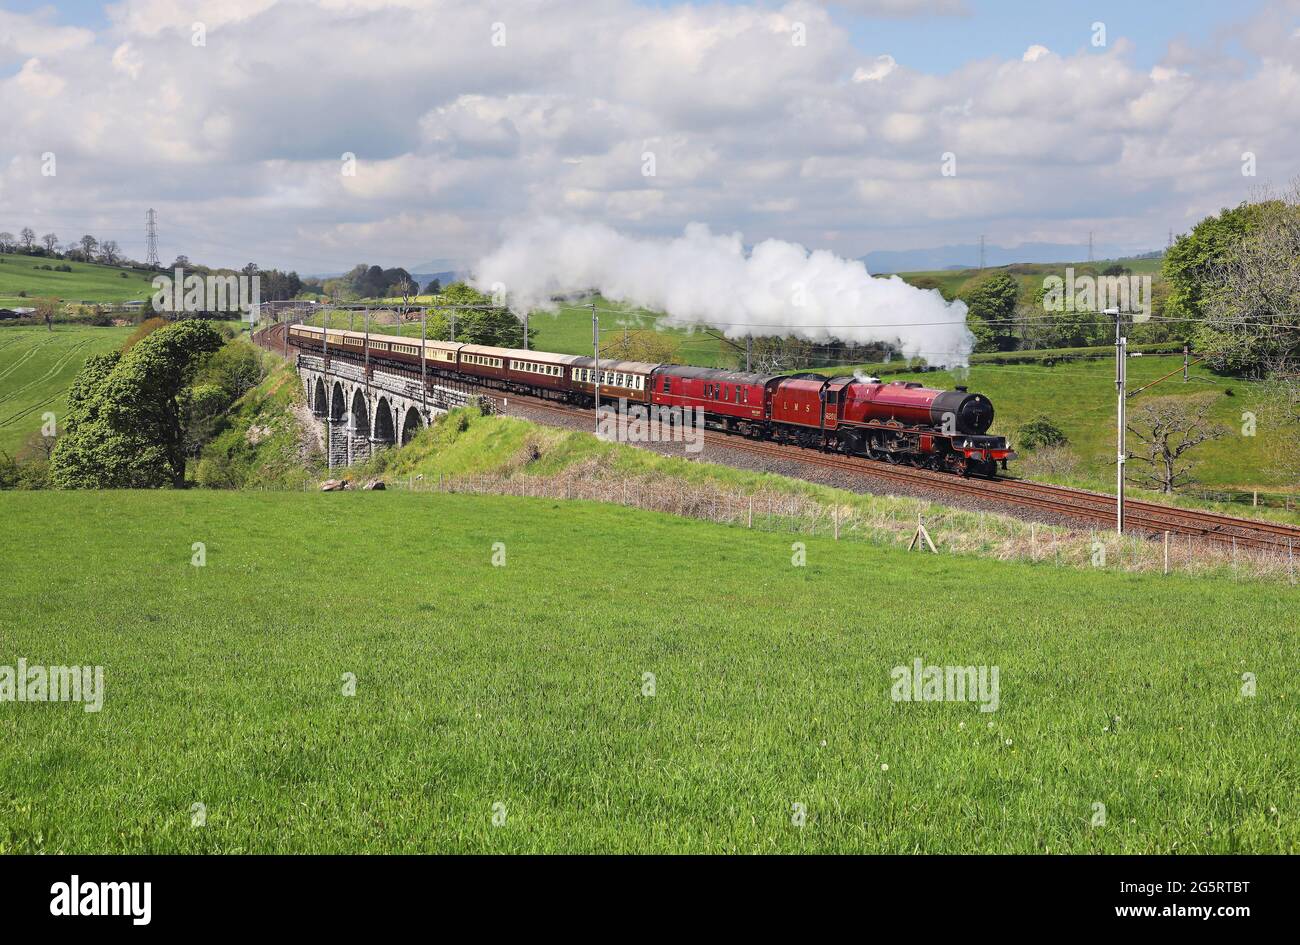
(519, 689)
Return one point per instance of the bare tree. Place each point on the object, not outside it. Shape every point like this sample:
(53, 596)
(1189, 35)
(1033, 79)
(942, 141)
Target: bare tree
(6, 242)
(88, 247)
(109, 252)
(50, 241)
(1168, 428)
(406, 290)
(28, 236)
(38, 445)
(46, 308)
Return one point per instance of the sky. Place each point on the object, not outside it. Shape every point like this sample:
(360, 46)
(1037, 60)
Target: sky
(855, 126)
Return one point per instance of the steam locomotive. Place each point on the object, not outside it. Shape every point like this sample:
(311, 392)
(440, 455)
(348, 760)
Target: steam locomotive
(895, 422)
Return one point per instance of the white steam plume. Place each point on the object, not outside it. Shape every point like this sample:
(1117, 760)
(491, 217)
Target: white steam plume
(705, 279)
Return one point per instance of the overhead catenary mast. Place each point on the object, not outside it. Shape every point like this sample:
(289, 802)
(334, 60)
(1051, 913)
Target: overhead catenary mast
(595, 343)
(1121, 379)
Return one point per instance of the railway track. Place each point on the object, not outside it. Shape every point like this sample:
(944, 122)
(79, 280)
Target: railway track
(1091, 509)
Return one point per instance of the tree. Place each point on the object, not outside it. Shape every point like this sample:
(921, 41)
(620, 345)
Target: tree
(28, 236)
(481, 322)
(993, 303)
(45, 308)
(434, 287)
(88, 246)
(109, 252)
(1168, 428)
(6, 243)
(772, 355)
(647, 345)
(51, 242)
(123, 427)
(1250, 295)
(1038, 432)
(1190, 261)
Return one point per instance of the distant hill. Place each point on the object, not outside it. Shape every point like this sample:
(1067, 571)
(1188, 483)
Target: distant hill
(21, 277)
(967, 256)
(444, 278)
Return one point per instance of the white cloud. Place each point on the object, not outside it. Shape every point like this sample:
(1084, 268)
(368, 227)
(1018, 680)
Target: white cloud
(36, 34)
(238, 143)
(882, 67)
(127, 60)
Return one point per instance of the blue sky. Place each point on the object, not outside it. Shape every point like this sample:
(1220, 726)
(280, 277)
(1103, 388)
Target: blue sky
(1006, 28)
(932, 43)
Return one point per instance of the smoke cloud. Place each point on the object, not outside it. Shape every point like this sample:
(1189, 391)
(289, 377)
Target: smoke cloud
(706, 279)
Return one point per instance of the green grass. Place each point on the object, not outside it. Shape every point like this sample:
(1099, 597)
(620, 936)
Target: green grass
(36, 369)
(87, 282)
(522, 686)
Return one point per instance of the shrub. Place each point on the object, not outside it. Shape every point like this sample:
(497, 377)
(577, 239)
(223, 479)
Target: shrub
(1059, 461)
(1039, 432)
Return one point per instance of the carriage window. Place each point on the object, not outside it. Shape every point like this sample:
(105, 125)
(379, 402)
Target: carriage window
(668, 385)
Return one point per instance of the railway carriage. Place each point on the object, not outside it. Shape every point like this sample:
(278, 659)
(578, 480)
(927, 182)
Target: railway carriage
(440, 356)
(626, 380)
(731, 400)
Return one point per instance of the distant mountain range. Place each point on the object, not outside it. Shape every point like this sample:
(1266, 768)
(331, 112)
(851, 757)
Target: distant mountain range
(967, 256)
(446, 277)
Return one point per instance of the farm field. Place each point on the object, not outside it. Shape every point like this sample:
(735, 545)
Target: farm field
(518, 690)
(86, 282)
(954, 282)
(37, 368)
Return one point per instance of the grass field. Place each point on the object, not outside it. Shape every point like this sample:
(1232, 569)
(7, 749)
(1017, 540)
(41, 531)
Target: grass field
(518, 690)
(36, 369)
(955, 282)
(86, 282)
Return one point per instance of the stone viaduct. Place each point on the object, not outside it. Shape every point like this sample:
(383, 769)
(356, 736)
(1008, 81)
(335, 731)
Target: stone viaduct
(367, 410)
